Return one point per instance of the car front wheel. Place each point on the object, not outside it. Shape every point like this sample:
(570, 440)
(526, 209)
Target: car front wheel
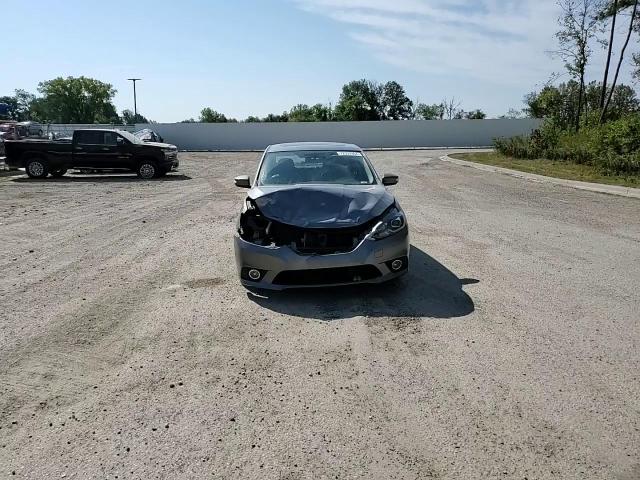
(37, 168)
(148, 170)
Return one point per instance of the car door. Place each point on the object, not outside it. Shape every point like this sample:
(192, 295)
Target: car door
(125, 153)
(96, 149)
(111, 150)
(87, 148)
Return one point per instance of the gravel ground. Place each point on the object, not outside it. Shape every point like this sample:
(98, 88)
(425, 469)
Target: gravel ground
(128, 349)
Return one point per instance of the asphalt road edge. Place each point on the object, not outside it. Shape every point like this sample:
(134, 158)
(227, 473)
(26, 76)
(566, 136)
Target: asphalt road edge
(592, 187)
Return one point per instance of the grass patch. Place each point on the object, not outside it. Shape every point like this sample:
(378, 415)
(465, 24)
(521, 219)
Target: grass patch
(551, 168)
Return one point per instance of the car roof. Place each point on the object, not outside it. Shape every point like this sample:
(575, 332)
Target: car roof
(302, 146)
(99, 130)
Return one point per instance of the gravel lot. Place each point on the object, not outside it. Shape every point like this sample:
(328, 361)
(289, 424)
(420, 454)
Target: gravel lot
(129, 350)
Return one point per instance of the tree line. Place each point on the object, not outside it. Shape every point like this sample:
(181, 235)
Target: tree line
(360, 100)
(69, 100)
(592, 122)
(87, 100)
(585, 25)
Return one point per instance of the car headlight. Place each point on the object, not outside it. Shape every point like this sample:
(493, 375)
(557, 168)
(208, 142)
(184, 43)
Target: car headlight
(392, 223)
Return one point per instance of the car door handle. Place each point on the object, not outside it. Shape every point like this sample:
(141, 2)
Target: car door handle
(78, 148)
(105, 149)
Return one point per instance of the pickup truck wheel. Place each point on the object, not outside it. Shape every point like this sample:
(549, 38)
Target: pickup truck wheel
(148, 170)
(36, 168)
(59, 172)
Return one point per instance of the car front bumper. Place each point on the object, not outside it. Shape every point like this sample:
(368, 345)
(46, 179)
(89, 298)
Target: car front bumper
(283, 268)
(171, 162)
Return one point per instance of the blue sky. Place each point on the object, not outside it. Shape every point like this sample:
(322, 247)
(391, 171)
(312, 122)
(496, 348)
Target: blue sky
(245, 57)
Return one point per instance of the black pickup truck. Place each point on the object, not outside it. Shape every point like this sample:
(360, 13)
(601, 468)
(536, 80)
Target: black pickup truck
(93, 149)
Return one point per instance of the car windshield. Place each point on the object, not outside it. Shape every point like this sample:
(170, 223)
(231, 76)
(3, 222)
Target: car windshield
(331, 166)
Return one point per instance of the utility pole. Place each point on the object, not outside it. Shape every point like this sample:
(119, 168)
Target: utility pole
(135, 105)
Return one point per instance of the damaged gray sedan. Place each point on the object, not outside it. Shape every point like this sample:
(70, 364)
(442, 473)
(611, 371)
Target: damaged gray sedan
(318, 214)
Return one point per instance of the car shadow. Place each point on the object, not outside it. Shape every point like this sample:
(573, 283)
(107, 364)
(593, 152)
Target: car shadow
(429, 289)
(122, 178)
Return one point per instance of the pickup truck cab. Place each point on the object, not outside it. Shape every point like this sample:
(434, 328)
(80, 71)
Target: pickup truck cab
(94, 149)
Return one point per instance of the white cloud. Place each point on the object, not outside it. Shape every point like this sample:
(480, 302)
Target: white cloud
(501, 41)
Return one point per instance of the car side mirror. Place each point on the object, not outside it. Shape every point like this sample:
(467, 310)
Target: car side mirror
(389, 179)
(120, 141)
(243, 181)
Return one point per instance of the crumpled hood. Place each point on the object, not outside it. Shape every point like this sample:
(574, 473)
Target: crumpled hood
(322, 206)
(160, 145)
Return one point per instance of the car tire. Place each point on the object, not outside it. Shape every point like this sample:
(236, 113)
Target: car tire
(58, 173)
(148, 169)
(36, 168)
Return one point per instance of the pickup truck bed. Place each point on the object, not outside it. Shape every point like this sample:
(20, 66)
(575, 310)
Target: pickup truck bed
(94, 149)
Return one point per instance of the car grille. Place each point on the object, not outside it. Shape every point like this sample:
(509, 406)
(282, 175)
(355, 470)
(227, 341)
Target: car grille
(321, 241)
(327, 276)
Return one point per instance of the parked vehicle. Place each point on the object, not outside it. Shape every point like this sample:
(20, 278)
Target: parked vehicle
(318, 214)
(96, 149)
(8, 131)
(31, 128)
(148, 135)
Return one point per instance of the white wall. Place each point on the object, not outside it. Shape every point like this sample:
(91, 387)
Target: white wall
(390, 134)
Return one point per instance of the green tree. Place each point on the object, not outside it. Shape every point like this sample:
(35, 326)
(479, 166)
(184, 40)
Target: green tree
(20, 105)
(475, 115)
(75, 100)
(632, 25)
(208, 115)
(429, 112)
(359, 101)
(322, 113)
(12, 105)
(554, 102)
(624, 100)
(129, 118)
(252, 119)
(274, 118)
(558, 103)
(579, 25)
(301, 113)
(394, 103)
(305, 113)
(609, 10)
